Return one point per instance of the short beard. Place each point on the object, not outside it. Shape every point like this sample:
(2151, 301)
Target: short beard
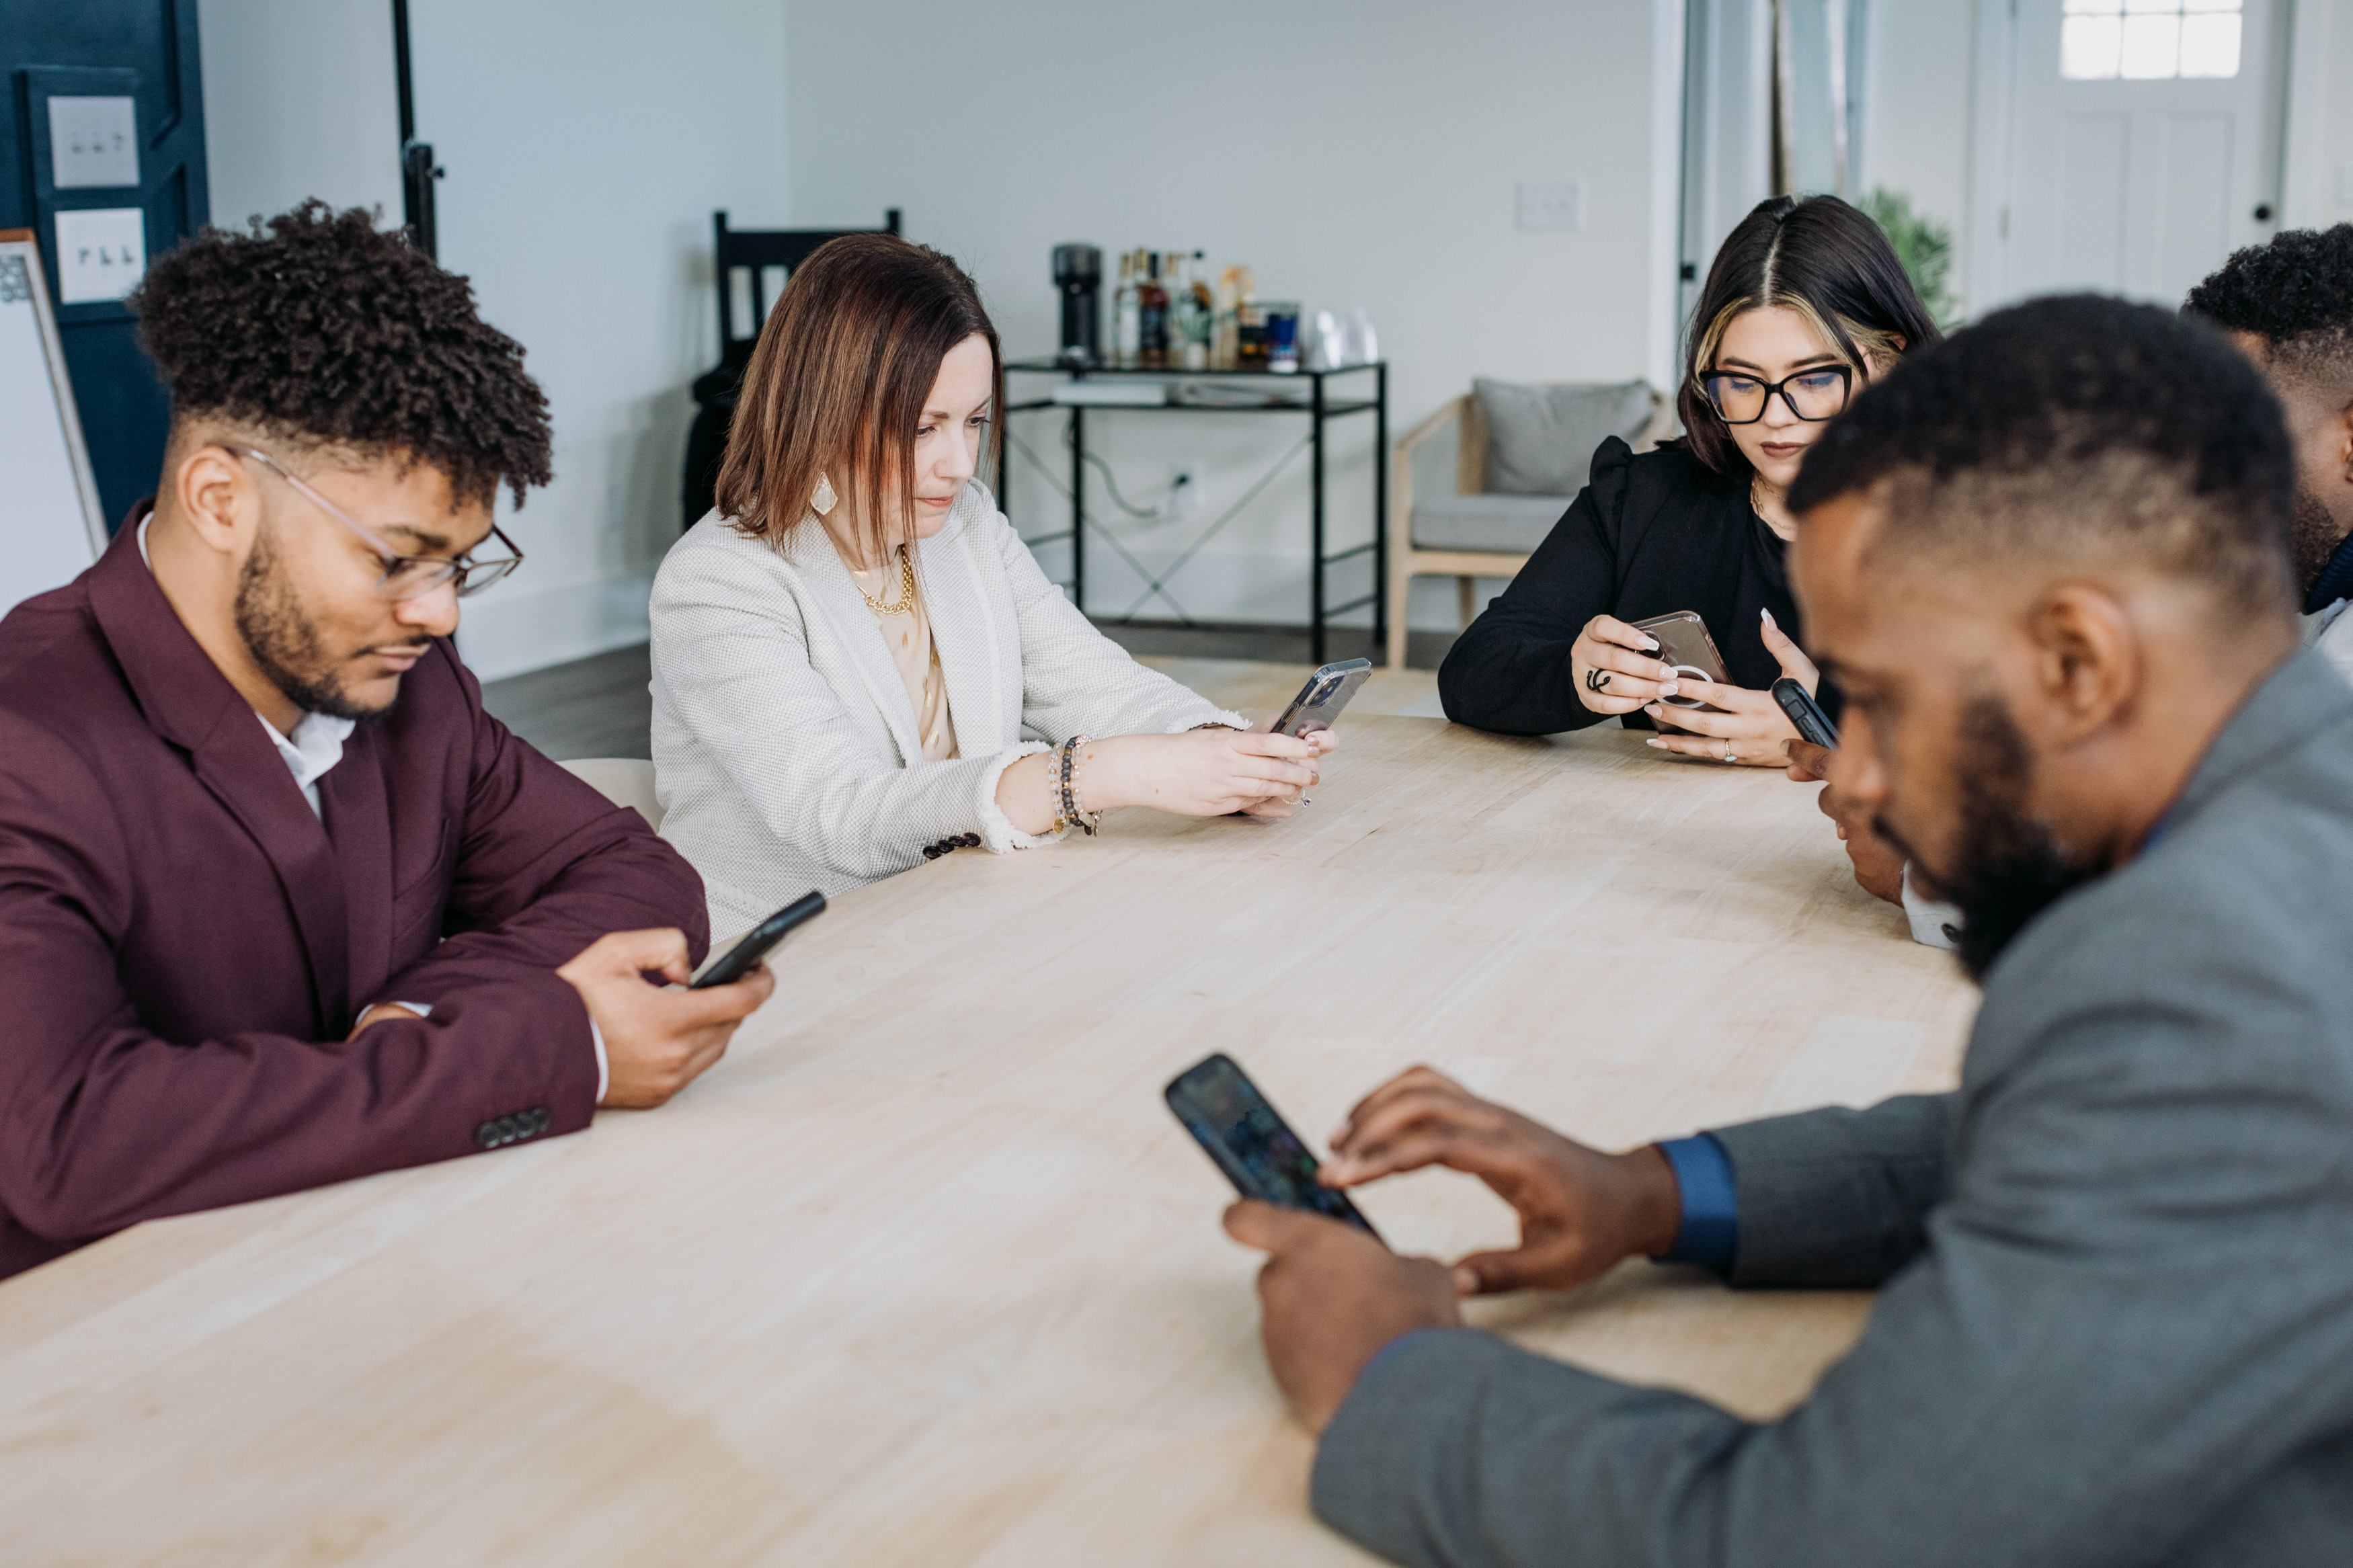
(284, 643)
(2009, 868)
(2313, 538)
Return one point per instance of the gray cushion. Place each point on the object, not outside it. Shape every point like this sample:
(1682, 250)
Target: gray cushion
(1540, 439)
(1507, 524)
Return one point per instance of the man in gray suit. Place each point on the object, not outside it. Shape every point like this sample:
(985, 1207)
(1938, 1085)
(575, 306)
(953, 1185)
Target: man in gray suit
(2048, 561)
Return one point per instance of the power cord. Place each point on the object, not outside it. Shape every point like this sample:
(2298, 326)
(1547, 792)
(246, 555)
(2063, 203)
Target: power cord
(1147, 514)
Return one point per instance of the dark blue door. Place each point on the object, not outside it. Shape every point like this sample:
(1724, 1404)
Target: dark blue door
(103, 156)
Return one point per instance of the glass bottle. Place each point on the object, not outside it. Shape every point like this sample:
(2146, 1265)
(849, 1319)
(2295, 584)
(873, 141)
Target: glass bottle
(1152, 313)
(1127, 325)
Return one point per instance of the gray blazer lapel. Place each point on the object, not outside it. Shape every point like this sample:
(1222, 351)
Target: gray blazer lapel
(829, 590)
(964, 629)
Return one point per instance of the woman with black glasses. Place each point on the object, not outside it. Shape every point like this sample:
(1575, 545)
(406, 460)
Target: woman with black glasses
(1805, 303)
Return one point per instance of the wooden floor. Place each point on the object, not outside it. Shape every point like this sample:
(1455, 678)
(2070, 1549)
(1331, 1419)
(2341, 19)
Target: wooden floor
(599, 706)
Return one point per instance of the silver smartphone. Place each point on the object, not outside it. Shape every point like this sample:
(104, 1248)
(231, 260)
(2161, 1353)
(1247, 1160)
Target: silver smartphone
(1320, 700)
(1684, 645)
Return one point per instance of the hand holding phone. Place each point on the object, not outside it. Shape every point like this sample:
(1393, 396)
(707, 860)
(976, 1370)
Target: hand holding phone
(1250, 1143)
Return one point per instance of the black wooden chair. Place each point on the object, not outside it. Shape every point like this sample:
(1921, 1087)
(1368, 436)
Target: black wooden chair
(753, 252)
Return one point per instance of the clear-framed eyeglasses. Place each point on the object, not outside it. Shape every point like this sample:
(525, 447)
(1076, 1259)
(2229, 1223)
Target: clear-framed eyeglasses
(1813, 396)
(406, 576)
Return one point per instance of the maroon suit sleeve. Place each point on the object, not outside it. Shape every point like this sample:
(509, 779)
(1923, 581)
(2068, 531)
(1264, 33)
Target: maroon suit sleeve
(109, 1124)
(546, 867)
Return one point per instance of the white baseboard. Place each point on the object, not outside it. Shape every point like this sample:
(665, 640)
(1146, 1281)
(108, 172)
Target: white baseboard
(502, 634)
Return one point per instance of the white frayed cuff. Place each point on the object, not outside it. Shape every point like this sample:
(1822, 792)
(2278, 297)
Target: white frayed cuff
(998, 834)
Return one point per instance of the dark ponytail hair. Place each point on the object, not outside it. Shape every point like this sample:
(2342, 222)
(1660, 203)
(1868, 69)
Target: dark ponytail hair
(1816, 255)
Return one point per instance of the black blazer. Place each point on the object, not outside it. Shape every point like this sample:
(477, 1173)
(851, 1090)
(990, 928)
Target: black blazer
(1648, 535)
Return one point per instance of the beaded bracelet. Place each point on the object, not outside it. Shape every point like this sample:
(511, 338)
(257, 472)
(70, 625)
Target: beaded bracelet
(1067, 809)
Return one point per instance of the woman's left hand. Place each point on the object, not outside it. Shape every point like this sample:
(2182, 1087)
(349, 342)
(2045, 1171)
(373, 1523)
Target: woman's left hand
(1752, 731)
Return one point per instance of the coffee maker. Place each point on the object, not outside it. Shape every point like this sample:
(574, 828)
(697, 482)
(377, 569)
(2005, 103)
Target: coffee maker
(1077, 274)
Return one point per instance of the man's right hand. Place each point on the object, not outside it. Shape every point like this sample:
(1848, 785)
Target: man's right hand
(1878, 868)
(657, 1040)
(1580, 1210)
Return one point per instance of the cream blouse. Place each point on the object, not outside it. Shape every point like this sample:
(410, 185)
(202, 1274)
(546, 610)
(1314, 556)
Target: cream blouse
(909, 634)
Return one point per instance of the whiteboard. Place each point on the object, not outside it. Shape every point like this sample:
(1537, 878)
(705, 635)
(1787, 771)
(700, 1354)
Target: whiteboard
(51, 525)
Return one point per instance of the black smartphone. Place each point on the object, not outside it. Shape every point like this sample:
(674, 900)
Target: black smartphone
(1251, 1143)
(1806, 713)
(1320, 700)
(759, 940)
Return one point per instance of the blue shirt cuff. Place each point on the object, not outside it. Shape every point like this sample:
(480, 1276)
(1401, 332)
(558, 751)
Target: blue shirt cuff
(1382, 1354)
(1710, 1232)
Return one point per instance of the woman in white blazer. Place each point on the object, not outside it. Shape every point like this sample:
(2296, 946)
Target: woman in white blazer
(857, 666)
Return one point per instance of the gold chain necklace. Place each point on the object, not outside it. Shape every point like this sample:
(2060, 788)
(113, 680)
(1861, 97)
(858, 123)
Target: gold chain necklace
(906, 599)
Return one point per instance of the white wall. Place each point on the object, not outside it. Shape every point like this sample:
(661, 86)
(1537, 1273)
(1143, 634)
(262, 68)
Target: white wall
(300, 101)
(586, 142)
(2319, 185)
(1355, 151)
(1917, 110)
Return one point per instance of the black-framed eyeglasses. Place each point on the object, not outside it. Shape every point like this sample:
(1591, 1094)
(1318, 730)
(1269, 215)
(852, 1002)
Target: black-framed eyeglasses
(406, 576)
(1813, 396)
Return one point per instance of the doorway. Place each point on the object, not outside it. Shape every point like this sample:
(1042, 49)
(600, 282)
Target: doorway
(2142, 143)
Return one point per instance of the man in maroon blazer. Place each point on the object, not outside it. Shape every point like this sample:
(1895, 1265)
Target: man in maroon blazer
(279, 903)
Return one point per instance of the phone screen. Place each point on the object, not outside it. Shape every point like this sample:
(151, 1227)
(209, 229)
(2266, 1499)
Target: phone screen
(759, 940)
(1251, 1143)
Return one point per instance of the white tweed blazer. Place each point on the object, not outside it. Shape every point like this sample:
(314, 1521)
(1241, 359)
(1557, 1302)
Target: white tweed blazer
(785, 748)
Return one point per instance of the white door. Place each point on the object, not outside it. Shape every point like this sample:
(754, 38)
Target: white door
(2144, 143)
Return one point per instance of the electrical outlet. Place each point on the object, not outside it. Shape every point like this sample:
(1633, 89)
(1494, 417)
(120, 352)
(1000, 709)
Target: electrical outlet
(1558, 204)
(1184, 498)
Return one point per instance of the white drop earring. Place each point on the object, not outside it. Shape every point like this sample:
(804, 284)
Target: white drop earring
(824, 500)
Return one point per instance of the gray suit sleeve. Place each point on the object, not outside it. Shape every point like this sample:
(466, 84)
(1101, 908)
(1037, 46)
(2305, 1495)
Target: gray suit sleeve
(2132, 1310)
(1838, 1196)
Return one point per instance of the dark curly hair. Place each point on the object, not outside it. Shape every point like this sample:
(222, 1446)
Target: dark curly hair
(2296, 293)
(2074, 426)
(317, 328)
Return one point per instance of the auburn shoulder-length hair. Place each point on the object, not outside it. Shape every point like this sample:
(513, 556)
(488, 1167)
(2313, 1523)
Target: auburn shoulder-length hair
(836, 384)
(1821, 257)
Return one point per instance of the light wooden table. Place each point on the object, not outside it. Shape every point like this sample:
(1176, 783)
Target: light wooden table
(923, 1273)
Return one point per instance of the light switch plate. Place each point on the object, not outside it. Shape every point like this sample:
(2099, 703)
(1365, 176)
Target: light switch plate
(1557, 204)
(101, 254)
(93, 142)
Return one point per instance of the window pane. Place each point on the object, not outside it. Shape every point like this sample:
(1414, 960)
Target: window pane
(2209, 46)
(2089, 48)
(2158, 7)
(2093, 7)
(2152, 47)
(2196, 5)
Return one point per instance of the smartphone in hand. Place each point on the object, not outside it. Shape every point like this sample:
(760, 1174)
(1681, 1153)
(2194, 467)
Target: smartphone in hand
(1685, 644)
(1320, 700)
(759, 940)
(1251, 1143)
(1807, 714)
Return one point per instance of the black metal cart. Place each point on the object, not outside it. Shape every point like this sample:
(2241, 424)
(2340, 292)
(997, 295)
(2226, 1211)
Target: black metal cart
(1320, 405)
